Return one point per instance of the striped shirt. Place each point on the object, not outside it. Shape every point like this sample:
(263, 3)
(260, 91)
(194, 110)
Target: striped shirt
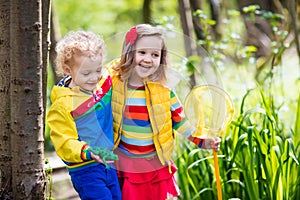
(137, 135)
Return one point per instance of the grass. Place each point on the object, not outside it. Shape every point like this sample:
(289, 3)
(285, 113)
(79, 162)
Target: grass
(259, 156)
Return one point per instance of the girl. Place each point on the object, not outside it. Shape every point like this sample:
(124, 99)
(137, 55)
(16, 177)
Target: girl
(146, 114)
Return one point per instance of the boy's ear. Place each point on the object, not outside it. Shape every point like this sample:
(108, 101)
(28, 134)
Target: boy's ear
(67, 70)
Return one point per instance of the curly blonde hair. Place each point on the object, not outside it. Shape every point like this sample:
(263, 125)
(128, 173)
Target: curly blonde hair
(79, 43)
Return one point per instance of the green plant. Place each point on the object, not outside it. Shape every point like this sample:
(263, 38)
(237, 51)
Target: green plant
(260, 152)
(229, 46)
(264, 152)
(258, 158)
(49, 182)
(279, 44)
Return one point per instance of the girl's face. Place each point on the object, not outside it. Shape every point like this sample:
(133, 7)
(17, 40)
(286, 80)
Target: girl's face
(85, 72)
(147, 58)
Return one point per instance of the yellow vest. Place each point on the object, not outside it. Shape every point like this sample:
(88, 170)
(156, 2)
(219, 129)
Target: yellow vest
(158, 106)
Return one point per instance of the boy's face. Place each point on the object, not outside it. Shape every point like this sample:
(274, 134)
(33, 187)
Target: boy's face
(147, 56)
(85, 72)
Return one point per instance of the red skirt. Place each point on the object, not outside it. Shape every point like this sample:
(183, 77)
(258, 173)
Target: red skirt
(146, 178)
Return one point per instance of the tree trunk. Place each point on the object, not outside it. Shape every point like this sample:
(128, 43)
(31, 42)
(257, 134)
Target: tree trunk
(187, 27)
(215, 9)
(55, 35)
(292, 7)
(259, 33)
(26, 93)
(5, 156)
(147, 11)
(215, 15)
(196, 5)
(46, 5)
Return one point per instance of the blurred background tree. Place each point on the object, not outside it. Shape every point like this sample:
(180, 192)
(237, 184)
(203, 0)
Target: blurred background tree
(249, 47)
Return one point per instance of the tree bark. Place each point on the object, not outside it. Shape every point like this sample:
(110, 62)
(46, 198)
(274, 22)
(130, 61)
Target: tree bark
(147, 11)
(187, 27)
(26, 93)
(215, 9)
(260, 33)
(55, 35)
(46, 6)
(5, 156)
(195, 5)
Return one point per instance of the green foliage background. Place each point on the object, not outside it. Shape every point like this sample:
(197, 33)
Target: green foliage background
(260, 152)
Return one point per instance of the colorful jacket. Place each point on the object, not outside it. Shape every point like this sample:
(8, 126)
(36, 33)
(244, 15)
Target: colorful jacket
(158, 106)
(77, 118)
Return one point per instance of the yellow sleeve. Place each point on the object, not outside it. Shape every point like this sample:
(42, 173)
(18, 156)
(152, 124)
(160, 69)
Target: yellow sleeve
(63, 134)
(110, 69)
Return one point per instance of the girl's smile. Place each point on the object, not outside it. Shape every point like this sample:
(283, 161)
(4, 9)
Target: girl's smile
(147, 58)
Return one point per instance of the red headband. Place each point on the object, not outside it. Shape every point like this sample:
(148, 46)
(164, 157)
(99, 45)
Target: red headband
(131, 36)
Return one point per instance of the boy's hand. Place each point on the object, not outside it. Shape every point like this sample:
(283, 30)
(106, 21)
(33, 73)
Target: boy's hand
(211, 143)
(99, 160)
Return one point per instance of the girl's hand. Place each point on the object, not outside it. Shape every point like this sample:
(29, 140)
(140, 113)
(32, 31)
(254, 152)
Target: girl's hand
(211, 143)
(99, 160)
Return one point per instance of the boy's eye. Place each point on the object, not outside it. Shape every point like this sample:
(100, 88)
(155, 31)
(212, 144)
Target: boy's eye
(99, 70)
(85, 73)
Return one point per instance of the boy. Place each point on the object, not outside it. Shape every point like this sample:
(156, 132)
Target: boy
(80, 116)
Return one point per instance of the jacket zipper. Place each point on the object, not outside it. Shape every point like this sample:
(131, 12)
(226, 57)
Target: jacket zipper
(123, 109)
(155, 124)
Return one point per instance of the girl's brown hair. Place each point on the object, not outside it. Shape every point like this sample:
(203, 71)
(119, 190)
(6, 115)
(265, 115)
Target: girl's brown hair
(125, 66)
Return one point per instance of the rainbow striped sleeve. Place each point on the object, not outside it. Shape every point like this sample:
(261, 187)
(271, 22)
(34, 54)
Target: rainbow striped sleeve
(85, 154)
(180, 123)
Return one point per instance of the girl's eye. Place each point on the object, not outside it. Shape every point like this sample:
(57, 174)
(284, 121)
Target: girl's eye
(155, 54)
(141, 52)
